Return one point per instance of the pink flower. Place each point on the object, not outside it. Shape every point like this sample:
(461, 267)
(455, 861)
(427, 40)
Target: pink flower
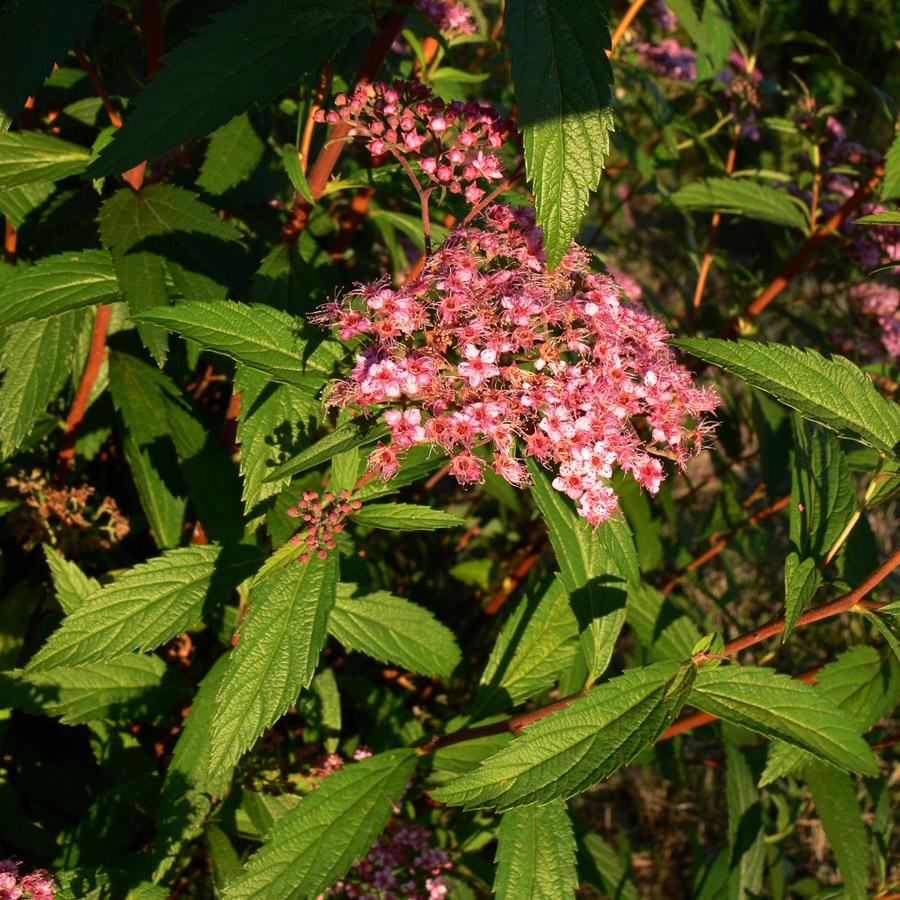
(473, 194)
(405, 426)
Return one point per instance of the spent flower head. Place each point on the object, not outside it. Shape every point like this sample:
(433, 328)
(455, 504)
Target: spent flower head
(493, 358)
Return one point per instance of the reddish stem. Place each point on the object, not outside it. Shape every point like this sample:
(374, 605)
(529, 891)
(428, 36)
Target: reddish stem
(83, 392)
(630, 13)
(153, 36)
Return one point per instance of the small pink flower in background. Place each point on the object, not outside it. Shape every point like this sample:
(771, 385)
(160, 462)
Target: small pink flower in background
(37, 885)
(879, 305)
(506, 354)
(450, 16)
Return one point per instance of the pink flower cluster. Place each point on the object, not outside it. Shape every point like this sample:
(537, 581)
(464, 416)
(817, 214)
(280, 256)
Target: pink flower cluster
(38, 885)
(488, 349)
(880, 303)
(402, 865)
(449, 16)
(452, 144)
(323, 518)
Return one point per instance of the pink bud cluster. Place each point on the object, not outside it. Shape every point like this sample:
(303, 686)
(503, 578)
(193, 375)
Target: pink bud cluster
(451, 144)
(324, 520)
(449, 16)
(488, 349)
(38, 885)
(402, 865)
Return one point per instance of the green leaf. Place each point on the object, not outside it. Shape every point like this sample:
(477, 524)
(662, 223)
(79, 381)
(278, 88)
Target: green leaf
(536, 854)
(537, 642)
(35, 359)
(801, 581)
(891, 217)
(147, 443)
(187, 792)
(29, 157)
(314, 844)
(833, 392)
(356, 433)
(601, 867)
(276, 656)
(864, 687)
(562, 77)
(165, 227)
(263, 338)
(34, 36)
(148, 605)
(244, 57)
(57, 284)
(574, 748)
(836, 805)
(778, 706)
(72, 586)
(274, 422)
(393, 630)
(663, 629)
(234, 151)
(134, 686)
(404, 517)
(596, 569)
(295, 173)
(741, 197)
(823, 498)
(746, 835)
(890, 182)
(17, 202)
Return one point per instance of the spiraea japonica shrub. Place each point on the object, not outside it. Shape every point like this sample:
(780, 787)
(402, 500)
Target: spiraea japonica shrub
(450, 449)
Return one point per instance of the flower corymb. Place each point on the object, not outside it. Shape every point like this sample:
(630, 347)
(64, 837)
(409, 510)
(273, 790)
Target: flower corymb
(492, 358)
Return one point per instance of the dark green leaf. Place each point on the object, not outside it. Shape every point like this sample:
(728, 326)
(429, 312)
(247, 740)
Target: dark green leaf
(781, 707)
(536, 854)
(276, 655)
(393, 630)
(563, 79)
(234, 151)
(741, 197)
(746, 835)
(243, 57)
(148, 605)
(295, 172)
(801, 581)
(890, 182)
(57, 284)
(314, 844)
(404, 517)
(574, 748)
(833, 392)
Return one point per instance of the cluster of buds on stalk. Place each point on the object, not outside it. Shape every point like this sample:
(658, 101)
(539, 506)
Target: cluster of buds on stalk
(452, 145)
(489, 350)
(324, 520)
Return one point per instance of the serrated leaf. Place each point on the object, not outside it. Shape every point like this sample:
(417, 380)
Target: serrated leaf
(276, 655)
(601, 867)
(148, 605)
(295, 173)
(890, 181)
(404, 517)
(801, 581)
(285, 280)
(862, 685)
(574, 748)
(274, 422)
(597, 569)
(537, 642)
(34, 36)
(35, 360)
(823, 498)
(562, 78)
(833, 392)
(746, 835)
(778, 706)
(187, 791)
(891, 217)
(357, 432)
(536, 854)
(134, 686)
(263, 338)
(162, 227)
(393, 630)
(244, 57)
(72, 586)
(741, 197)
(663, 629)
(234, 151)
(57, 284)
(17, 202)
(314, 844)
(29, 157)
(837, 807)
